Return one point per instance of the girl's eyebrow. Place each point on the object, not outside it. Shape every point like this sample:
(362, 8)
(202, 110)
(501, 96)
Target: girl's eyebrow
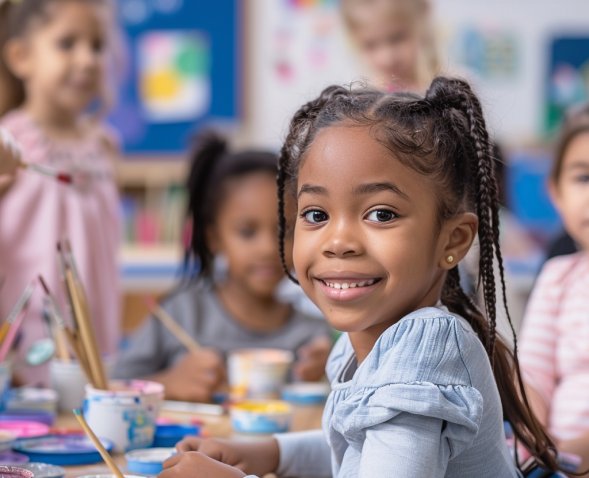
(371, 188)
(314, 190)
(579, 164)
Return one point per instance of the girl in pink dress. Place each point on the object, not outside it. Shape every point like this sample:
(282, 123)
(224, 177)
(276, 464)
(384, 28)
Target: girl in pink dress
(53, 70)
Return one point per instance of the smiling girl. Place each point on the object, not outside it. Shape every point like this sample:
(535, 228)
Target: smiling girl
(391, 190)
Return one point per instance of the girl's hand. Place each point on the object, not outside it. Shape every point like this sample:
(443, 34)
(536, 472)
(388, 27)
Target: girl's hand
(10, 153)
(197, 465)
(257, 458)
(312, 358)
(195, 378)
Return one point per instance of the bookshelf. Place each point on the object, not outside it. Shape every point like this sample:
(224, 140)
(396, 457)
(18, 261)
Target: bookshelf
(153, 205)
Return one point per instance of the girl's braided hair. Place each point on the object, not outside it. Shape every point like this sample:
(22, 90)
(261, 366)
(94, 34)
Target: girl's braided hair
(443, 136)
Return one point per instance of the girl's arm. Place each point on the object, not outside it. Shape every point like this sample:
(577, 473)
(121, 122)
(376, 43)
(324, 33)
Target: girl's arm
(410, 446)
(539, 338)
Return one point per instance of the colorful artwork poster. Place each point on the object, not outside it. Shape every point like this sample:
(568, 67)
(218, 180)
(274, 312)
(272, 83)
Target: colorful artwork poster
(567, 80)
(493, 54)
(182, 71)
(174, 75)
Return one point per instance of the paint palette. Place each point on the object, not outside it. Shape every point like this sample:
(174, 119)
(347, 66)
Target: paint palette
(62, 450)
(13, 459)
(15, 472)
(25, 429)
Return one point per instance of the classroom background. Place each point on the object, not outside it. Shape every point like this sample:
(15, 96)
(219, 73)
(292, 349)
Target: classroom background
(245, 66)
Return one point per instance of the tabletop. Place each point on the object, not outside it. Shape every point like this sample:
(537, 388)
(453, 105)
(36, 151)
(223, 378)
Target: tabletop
(304, 418)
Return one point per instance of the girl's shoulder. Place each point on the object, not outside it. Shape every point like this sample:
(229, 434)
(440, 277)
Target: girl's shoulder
(430, 345)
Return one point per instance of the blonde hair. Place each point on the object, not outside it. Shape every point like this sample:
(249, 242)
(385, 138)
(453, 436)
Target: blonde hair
(15, 20)
(428, 61)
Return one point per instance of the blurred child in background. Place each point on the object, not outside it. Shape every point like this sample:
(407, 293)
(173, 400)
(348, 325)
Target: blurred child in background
(396, 39)
(53, 69)
(555, 334)
(232, 303)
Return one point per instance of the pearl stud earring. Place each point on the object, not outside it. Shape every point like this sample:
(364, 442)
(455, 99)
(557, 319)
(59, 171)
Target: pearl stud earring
(450, 259)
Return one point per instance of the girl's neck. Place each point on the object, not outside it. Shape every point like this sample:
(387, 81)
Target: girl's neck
(57, 124)
(363, 340)
(260, 314)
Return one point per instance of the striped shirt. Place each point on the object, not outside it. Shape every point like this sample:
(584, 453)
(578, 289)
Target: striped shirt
(555, 344)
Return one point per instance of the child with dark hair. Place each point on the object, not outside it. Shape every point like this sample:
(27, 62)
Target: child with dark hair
(554, 348)
(391, 189)
(233, 210)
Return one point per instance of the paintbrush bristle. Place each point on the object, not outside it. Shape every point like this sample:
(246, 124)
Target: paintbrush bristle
(77, 412)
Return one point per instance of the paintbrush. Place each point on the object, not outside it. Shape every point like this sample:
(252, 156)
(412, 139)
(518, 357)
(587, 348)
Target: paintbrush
(81, 313)
(12, 331)
(165, 318)
(57, 322)
(49, 172)
(105, 455)
(22, 301)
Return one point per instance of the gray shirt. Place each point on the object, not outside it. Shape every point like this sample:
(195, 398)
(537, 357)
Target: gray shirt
(200, 313)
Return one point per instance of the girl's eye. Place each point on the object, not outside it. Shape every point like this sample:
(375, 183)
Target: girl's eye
(247, 233)
(381, 215)
(583, 179)
(66, 43)
(315, 217)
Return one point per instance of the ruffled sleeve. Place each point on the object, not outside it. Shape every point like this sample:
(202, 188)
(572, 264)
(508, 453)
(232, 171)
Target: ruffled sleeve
(422, 366)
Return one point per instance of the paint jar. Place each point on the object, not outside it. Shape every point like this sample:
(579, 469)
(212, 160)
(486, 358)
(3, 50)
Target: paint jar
(68, 379)
(261, 416)
(258, 373)
(126, 413)
(148, 462)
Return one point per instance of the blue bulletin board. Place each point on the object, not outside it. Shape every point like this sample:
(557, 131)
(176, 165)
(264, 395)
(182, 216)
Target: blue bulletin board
(182, 70)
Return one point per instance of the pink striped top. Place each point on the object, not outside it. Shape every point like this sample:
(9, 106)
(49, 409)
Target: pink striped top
(554, 352)
(37, 211)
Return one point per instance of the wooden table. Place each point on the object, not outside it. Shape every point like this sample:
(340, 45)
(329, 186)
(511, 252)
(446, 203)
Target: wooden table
(305, 418)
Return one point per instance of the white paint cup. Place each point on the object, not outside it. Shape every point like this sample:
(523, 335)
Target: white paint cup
(258, 373)
(68, 379)
(126, 413)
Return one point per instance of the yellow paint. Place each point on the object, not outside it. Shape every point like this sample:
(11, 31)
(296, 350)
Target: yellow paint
(263, 407)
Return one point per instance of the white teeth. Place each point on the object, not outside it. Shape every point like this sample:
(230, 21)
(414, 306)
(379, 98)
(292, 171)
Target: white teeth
(351, 285)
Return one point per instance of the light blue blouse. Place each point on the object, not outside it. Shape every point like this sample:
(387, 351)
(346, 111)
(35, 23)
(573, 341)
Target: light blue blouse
(424, 403)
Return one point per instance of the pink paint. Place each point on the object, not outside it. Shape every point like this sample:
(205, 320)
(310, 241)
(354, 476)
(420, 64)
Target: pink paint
(25, 429)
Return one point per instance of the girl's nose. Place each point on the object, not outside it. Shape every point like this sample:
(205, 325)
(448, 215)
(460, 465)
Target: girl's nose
(342, 241)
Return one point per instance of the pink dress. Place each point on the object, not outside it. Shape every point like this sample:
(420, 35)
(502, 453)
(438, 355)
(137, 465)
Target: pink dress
(38, 211)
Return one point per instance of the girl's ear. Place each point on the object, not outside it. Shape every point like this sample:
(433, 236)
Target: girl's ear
(17, 58)
(459, 234)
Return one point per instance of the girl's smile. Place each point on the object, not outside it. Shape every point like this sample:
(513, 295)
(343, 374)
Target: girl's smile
(346, 286)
